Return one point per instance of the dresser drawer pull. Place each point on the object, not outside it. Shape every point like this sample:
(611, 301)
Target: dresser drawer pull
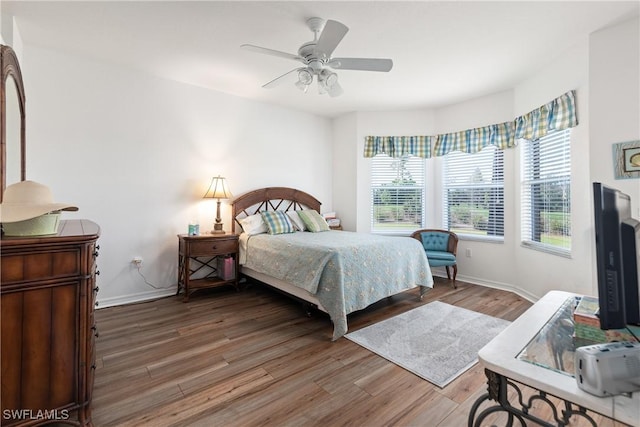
(95, 254)
(96, 289)
(97, 303)
(93, 367)
(94, 328)
(97, 272)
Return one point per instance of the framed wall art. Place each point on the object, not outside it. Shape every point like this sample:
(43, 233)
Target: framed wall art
(626, 160)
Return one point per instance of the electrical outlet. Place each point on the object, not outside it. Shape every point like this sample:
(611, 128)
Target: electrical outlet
(468, 253)
(137, 261)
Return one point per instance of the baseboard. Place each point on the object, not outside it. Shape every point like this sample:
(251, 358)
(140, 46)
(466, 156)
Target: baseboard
(495, 285)
(134, 298)
(162, 293)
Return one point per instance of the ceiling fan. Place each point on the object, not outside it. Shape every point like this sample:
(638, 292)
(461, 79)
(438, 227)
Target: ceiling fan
(317, 60)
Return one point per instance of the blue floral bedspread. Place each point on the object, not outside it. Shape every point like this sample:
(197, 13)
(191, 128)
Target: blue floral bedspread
(345, 271)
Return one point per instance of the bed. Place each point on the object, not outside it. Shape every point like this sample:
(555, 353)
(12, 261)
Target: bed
(339, 272)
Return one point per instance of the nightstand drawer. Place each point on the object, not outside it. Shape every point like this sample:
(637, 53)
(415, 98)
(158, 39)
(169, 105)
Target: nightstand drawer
(213, 246)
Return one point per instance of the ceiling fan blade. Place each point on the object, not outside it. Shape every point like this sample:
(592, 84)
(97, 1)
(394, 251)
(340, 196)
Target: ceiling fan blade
(330, 37)
(275, 82)
(271, 52)
(362, 64)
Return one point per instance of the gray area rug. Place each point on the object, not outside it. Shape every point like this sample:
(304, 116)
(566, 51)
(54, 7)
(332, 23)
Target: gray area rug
(436, 341)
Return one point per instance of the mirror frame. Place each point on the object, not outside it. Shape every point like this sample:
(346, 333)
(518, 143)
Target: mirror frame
(9, 67)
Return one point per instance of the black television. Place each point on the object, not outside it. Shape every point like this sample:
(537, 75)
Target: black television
(630, 242)
(616, 234)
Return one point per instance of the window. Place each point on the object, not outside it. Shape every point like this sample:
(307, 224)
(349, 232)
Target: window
(546, 193)
(473, 193)
(397, 194)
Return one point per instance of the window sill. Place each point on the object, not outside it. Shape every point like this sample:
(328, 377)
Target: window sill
(565, 253)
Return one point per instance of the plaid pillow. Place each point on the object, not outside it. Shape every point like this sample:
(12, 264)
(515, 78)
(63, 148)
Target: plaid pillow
(313, 220)
(277, 222)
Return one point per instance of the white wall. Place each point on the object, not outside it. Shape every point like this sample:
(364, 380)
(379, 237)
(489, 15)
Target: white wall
(10, 33)
(614, 109)
(480, 267)
(2, 41)
(614, 105)
(495, 108)
(603, 69)
(537, 272)
(345, 176)
(138, 161)
(136, 153)
(420, 122)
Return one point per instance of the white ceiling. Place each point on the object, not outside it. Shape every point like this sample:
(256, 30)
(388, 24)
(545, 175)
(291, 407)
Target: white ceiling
(443, 51)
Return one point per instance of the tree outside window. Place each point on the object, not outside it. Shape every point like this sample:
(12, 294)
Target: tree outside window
(474, 193)
(397, 194)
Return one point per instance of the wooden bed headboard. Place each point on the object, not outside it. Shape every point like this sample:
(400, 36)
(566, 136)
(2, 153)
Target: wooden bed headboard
(270, 198)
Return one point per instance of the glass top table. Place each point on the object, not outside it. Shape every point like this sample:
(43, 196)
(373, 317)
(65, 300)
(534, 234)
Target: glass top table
(553, 347)
(535, 354)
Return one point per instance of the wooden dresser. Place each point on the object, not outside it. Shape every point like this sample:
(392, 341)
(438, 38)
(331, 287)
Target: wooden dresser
(48, 295)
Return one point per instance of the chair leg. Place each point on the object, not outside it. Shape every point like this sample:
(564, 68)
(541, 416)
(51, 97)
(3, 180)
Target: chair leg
(455, 273)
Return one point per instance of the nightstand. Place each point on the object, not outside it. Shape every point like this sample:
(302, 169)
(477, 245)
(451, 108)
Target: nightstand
(207, 261)
(335, 227)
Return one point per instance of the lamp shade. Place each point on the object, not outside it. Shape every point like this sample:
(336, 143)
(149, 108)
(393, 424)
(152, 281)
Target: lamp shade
(218, 189)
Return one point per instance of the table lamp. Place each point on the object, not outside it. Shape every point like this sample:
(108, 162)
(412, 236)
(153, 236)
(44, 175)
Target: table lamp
(218, 190)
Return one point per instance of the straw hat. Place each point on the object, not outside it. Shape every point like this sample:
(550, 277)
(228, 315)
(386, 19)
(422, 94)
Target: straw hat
(28, 199)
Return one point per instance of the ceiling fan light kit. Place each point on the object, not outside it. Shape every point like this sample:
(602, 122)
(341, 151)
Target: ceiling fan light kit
(328, 83)
(305, 78)
(316, 56)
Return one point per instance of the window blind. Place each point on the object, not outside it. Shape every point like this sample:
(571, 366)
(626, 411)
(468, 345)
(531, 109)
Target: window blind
(546, 193)
(473, 194)
(397, 194)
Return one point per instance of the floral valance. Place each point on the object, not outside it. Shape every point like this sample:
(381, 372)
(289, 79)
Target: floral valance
(556, 115)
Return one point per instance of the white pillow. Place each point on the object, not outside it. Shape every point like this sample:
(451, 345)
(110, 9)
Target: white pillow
(253, 224)
(297, 222)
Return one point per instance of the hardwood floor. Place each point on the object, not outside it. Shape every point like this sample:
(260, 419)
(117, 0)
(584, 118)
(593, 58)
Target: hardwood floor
(252, 358)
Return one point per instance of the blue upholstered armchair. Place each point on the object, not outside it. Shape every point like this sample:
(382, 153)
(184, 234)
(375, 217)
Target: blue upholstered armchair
(441, 247)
